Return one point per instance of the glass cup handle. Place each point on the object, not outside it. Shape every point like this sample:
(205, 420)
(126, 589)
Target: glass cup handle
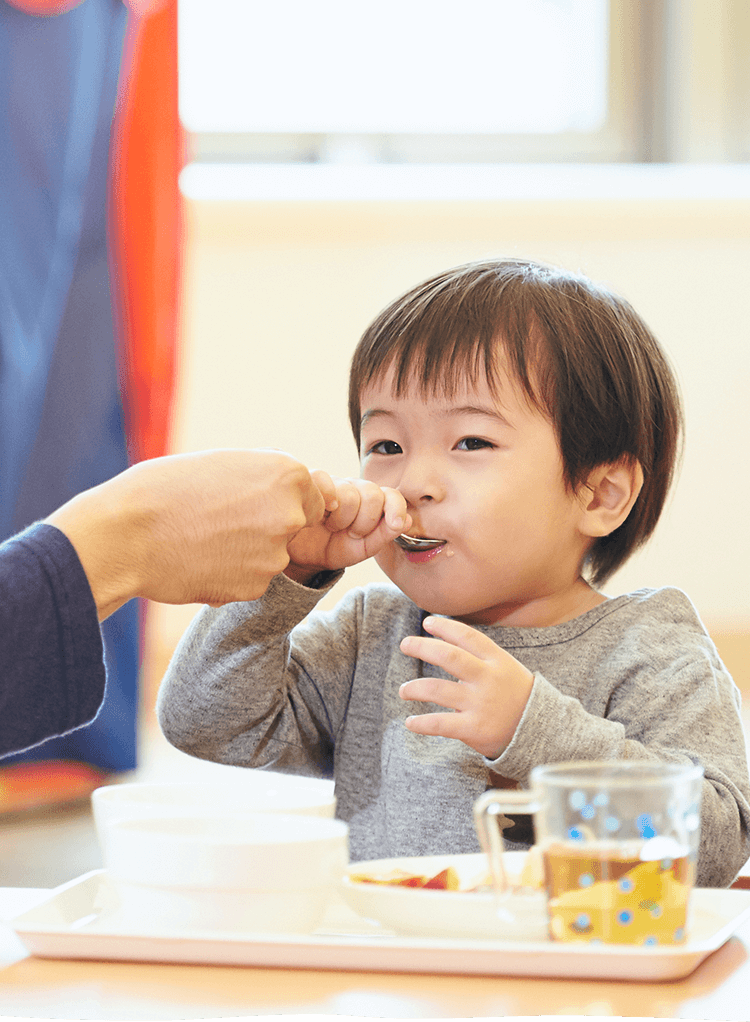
(494, 803)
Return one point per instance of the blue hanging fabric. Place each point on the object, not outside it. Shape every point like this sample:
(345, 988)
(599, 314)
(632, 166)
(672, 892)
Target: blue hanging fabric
(61, 422)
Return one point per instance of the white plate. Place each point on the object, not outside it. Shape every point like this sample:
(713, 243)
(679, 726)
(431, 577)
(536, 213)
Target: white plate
(71, 924)
(417, 912)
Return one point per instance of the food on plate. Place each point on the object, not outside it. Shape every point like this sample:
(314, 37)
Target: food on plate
(448, 879)
(445, 880)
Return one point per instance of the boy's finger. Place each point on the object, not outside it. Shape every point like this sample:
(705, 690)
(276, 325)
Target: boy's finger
(456, 661)
(464, 637)
(372, 500)
(434, 690)
(396, 516)
(347, 495)
(446, 725)
(327, 488)
(379, 538)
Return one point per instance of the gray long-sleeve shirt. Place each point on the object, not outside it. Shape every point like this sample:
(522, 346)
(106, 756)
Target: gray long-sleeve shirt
(274, 683)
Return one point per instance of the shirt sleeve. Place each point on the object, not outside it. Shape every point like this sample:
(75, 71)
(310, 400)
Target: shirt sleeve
(263, 683)
(51, 653)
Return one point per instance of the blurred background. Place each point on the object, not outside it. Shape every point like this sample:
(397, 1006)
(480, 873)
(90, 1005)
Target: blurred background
(277, 173)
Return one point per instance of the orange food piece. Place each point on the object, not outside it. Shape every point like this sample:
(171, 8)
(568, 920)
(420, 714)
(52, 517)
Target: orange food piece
(445, 880)
(397, 878)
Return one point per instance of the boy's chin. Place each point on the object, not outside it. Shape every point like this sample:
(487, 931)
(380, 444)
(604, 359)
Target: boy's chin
(424, 596)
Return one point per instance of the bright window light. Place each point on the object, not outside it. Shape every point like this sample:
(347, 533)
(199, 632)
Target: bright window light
(395, 66)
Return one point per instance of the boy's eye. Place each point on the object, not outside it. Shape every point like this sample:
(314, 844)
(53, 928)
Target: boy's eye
(385, 447)
(473, 443)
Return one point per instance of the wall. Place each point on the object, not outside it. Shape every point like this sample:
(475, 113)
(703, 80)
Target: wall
(278, 292)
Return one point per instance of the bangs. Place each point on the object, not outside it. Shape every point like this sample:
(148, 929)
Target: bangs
(440, 339)
(439, 367)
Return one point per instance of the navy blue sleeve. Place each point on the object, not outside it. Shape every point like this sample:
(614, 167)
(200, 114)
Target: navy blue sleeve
(52, 672)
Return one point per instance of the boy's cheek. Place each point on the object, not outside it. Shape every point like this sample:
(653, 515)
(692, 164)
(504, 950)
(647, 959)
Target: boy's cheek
(376, 472)
(385, 559)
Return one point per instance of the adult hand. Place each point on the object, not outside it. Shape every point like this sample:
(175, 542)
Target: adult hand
(491, 694)
(366, 517)
(210, 527)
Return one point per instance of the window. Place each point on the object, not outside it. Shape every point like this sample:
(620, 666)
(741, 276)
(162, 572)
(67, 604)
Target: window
(403, 80)
(438, 81)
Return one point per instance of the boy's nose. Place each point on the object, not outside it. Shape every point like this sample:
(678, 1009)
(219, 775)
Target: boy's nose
(421, 484)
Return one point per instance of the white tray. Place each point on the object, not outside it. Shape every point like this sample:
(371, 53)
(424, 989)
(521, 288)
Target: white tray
(69, 924)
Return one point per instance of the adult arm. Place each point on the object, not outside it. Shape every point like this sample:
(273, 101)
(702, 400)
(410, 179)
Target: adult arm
(52, 672)
(209, 527)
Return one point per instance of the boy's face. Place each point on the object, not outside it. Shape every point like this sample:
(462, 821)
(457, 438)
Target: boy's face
(484, 475)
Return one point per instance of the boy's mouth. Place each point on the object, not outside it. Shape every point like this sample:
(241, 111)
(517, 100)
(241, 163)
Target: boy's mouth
(418, 544)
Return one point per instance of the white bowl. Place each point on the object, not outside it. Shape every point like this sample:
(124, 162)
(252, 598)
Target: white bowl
(267, 872)
(164, 800)
(421, 912)
(144, 800)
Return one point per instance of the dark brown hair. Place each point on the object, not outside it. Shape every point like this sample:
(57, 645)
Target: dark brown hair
(582, 354)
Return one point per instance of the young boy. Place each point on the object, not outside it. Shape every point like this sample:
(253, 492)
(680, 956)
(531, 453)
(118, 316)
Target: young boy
(521, 426)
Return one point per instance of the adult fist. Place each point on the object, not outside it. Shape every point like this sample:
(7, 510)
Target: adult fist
(211, 527)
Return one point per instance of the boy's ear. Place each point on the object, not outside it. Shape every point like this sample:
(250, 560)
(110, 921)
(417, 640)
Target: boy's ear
(608, 495)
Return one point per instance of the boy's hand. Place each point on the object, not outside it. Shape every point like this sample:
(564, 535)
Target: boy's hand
(361, 518)
(489, 698)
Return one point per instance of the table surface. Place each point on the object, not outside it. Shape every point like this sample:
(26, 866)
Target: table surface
(719, 989)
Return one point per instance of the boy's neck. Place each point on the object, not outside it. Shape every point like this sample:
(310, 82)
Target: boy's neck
(549, 610)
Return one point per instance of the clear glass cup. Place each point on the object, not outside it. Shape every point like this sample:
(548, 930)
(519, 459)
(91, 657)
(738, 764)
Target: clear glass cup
(619, 844)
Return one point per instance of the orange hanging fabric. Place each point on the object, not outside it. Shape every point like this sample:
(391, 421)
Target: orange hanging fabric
(145, 224)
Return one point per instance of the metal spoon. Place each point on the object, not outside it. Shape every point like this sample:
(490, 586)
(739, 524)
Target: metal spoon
(416, 542)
